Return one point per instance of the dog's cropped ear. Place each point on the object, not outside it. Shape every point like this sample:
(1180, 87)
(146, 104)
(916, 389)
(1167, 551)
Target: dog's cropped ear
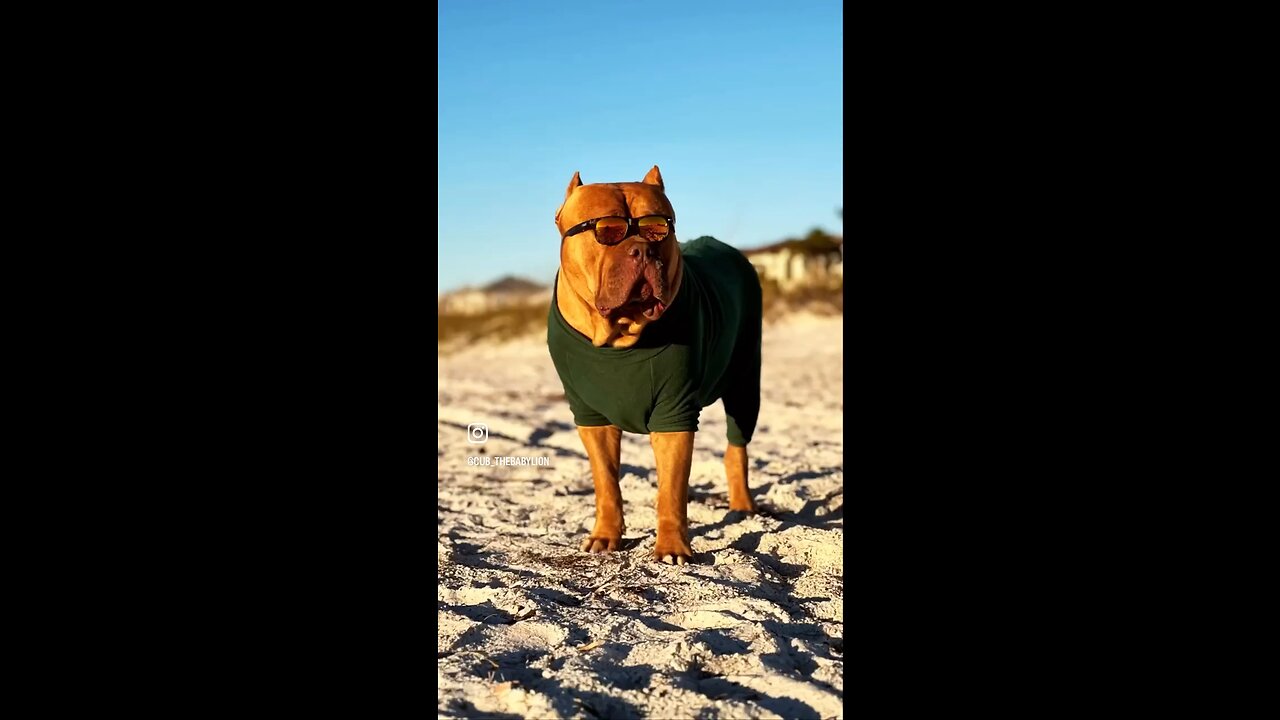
(576, 182)
(654, 178)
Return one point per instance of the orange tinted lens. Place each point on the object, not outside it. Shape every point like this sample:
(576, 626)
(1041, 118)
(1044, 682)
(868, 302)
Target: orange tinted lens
(610, 231)
(653, 227)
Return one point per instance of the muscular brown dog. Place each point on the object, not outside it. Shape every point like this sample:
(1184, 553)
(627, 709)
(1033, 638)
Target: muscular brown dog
(644, 333)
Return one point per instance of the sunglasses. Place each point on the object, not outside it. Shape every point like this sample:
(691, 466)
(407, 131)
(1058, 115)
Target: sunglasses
(613, 230)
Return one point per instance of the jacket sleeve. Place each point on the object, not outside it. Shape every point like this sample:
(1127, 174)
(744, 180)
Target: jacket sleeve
(583, 414)
(676, 407)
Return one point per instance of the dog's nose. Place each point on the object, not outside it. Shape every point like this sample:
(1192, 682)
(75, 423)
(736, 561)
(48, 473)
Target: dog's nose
(634, 251)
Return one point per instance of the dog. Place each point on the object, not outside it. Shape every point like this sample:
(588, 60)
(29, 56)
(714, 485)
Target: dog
(644, 332)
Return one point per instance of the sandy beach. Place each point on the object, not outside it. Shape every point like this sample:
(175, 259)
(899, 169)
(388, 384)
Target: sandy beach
(529, 627)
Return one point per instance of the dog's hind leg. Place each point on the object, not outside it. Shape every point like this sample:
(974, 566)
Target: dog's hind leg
(604, 452)
(735, 469)
(742, 397)
(741, 409)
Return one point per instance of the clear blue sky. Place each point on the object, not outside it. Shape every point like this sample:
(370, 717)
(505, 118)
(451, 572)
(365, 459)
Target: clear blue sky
(740, 104)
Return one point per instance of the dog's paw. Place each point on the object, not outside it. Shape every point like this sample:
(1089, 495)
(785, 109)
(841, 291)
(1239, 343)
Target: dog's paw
(746, 505)
(672, 549)
(600, 543)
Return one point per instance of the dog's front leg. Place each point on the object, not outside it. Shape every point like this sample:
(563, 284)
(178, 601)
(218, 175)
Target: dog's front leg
(673, 452)
(604, 452)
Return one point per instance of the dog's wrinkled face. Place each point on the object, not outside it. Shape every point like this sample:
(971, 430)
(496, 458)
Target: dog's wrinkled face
(627, 285)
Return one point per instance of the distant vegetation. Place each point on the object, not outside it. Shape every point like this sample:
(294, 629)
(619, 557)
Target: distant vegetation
(817, 299)
(814, 243)
(512, 284)
(505, 322)
(502, 323)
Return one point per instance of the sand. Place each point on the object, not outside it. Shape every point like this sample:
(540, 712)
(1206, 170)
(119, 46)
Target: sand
(529, 627)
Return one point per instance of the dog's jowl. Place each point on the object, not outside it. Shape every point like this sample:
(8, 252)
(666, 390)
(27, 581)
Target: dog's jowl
(645, 332)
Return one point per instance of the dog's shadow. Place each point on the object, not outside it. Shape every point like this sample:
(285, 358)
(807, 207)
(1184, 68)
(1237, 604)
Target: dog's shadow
(715, 496)
(732, 517)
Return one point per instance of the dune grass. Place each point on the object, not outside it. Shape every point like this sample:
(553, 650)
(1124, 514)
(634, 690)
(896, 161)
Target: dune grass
(502, 323)
(456, 331)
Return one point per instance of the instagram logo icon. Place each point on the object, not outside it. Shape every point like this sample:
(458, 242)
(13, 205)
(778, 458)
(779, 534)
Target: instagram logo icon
(477, 433)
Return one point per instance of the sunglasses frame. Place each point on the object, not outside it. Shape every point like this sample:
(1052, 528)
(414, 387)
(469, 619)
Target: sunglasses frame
(633, 226)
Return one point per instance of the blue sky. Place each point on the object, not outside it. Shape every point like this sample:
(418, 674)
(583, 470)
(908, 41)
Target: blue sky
(740, 104)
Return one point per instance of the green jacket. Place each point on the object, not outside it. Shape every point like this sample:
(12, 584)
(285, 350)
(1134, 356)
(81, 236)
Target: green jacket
(705, 347)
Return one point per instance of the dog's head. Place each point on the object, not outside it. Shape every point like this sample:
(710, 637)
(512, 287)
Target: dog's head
(618, 254)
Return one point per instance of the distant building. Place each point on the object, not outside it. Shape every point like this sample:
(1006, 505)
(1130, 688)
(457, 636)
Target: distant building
(816, 260)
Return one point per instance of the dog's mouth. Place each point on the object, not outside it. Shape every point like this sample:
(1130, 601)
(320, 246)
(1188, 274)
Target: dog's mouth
(644, 302)
(647, 297)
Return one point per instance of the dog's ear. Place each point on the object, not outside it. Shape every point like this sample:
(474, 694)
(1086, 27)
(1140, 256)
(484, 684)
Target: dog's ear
(654, 178)
(574, 183)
